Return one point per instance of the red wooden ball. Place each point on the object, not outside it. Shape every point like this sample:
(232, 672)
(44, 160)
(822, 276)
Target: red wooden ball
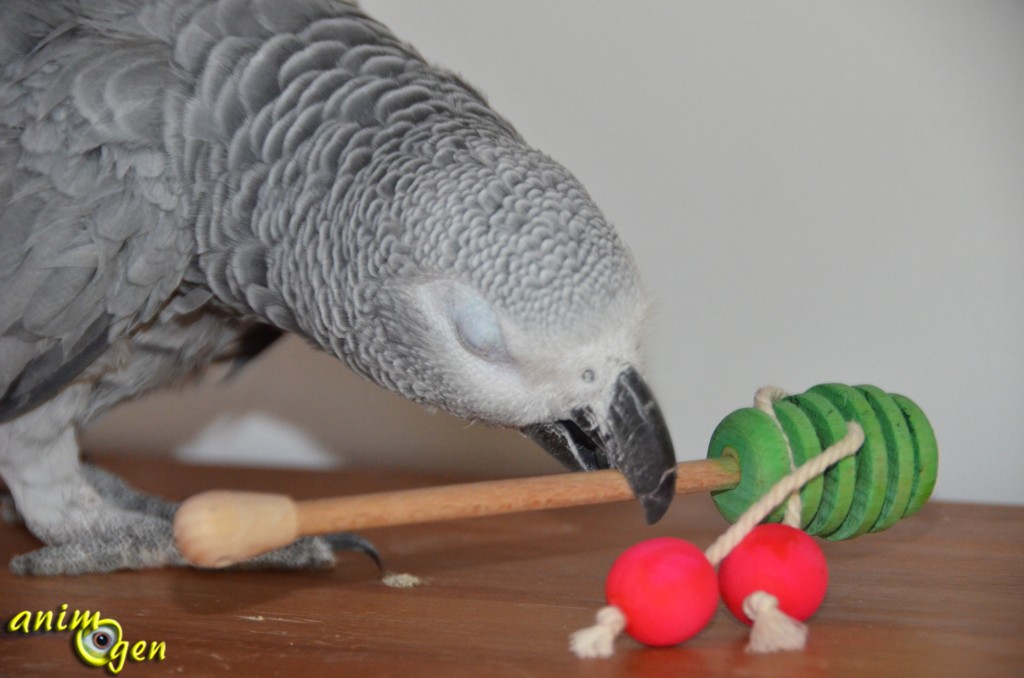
(666, 588)
(780, 560)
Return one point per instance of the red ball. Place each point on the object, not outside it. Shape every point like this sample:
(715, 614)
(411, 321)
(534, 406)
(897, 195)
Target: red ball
(779, 560)
(666, 588)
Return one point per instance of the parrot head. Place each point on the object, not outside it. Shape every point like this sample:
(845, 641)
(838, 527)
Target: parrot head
(578, 394)
(503, 296)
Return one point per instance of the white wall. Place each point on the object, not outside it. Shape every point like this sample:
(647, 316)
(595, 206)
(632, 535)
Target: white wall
(815, 191)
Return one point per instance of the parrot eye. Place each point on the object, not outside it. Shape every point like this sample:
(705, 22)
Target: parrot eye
(587, 376)
(478, 328)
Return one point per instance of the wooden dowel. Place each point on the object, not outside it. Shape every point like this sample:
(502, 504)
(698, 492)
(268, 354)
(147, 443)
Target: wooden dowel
(219, 528)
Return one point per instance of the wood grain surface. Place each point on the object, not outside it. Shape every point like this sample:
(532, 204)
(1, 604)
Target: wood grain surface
(940, 594)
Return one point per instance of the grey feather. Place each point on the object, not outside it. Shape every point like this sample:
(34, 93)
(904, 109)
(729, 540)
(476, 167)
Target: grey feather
(183, 180)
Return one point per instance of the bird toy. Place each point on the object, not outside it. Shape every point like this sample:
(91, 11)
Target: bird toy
(845, 461)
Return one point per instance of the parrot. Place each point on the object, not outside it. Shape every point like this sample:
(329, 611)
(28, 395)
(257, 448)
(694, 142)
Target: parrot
(182, 182)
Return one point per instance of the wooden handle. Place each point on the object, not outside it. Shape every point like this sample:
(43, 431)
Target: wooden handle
(221, 528)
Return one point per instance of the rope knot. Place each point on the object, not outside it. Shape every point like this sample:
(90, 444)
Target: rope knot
(773, 629)
(598, 641)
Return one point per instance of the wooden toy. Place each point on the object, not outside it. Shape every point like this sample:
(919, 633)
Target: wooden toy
(747, 456)
(879, 460)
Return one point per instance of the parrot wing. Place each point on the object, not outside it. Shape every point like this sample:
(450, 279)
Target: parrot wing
(92, 234)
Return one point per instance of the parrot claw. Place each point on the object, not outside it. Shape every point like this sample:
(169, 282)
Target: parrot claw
(347, 541)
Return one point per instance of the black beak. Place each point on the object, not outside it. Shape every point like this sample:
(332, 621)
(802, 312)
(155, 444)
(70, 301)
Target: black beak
(631, 437)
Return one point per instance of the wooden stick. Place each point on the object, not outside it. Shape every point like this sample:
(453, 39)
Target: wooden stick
(220, 528)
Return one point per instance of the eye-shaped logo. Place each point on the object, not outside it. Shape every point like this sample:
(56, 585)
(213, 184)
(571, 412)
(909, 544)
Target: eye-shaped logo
(93, 645)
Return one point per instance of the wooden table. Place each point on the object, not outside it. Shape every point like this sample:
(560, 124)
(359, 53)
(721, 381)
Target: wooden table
(941, 594)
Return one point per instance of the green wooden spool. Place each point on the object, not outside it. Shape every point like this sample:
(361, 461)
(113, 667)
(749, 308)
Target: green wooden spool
(890, 477)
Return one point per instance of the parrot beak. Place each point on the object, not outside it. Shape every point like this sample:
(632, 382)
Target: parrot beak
(630, 436)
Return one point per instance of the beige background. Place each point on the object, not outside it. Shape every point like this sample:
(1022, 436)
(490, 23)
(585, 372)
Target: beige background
(815, 191)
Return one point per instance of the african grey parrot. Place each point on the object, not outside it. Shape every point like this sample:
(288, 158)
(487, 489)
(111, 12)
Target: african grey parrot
(182, 181)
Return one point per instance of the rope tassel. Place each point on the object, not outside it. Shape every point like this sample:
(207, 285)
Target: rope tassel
(773, 629)
(598, 641)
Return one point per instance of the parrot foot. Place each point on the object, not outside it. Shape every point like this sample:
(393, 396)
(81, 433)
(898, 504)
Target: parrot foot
(124, 496)
(112, 526)
(135, 541)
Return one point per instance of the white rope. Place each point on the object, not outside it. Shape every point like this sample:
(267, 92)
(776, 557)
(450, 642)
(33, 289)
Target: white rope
(765, 400)
(598, 641)
(773, 629)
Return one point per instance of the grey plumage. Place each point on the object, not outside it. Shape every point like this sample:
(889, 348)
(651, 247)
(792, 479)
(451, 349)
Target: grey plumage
(181, 180)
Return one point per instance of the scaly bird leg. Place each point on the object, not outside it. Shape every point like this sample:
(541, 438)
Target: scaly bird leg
(92, 521)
